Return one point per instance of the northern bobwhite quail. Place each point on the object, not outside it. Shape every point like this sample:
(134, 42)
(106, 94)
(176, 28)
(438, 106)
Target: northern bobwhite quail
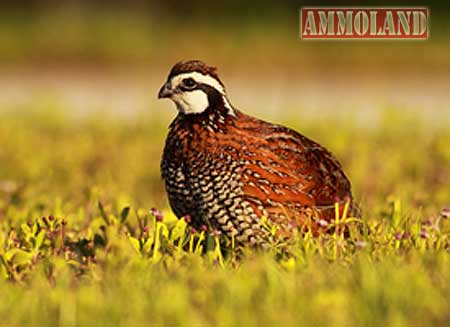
(227, 170)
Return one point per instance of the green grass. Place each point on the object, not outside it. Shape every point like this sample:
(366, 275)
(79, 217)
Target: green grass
(79, 245)
(265, 37)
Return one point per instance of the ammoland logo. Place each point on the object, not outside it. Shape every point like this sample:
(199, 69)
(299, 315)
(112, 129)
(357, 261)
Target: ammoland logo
(364, 23)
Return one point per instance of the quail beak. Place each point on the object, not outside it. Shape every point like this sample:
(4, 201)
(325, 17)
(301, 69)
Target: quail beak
(165, 91)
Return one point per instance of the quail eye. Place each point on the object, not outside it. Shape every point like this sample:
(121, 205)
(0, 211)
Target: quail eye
(189, 83)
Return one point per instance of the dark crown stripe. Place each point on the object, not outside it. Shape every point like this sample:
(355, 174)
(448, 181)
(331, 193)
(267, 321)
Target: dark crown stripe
(194, 66)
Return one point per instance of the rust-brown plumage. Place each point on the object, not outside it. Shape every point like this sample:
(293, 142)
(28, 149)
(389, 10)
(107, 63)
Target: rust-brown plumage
(227, 169)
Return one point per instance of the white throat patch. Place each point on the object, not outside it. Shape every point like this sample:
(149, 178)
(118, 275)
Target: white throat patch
(191, 102)
(196, 101)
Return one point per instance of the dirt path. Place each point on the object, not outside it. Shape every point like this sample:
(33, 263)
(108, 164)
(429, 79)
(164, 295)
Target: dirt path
(127, 94)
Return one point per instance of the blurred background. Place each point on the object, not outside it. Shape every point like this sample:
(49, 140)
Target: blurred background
(80, 119)
(112, 56)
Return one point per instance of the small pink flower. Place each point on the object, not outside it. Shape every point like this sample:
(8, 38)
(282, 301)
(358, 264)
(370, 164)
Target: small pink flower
(424, 234)
(216, 232)
(188, 219)
(157, 214)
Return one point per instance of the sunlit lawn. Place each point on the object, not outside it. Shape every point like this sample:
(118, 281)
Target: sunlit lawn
(80, 245)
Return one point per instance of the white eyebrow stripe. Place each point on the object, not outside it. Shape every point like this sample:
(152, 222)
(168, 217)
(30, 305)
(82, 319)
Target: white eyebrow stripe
(199, 78)
(204, 79)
